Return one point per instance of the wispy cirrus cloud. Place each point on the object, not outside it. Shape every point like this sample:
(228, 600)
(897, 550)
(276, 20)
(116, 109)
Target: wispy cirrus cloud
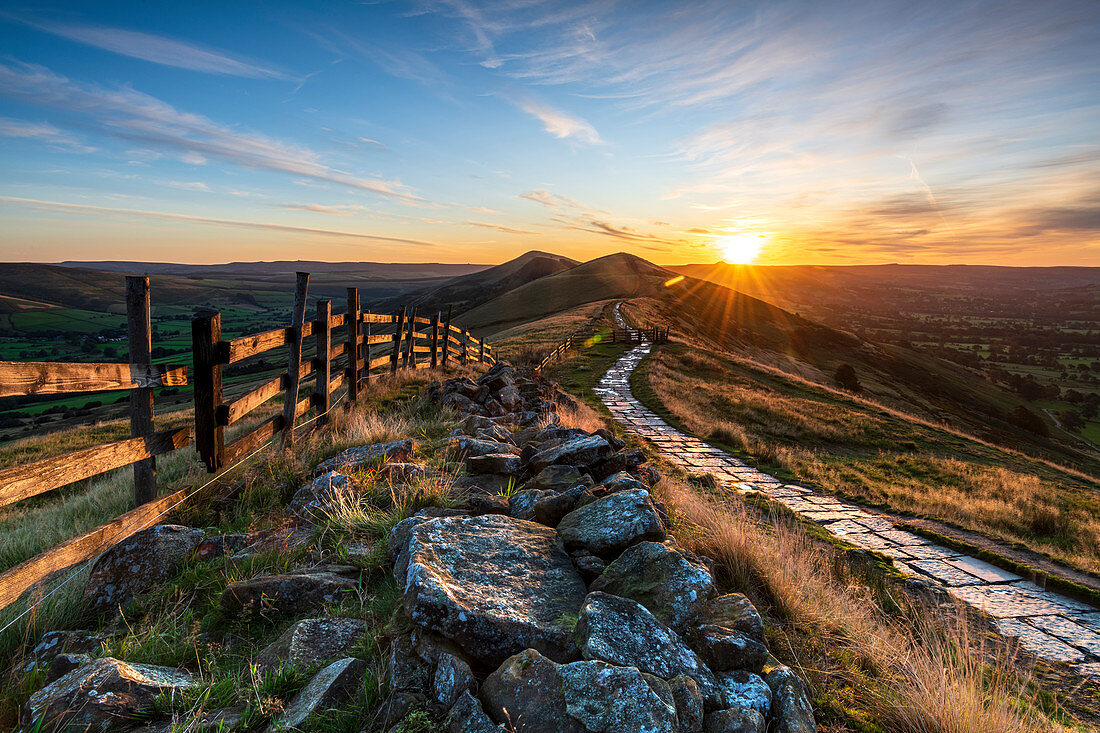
(559, 123)
(88, 210)
(504, 228)
(127, 114)
(43, 132)
(337, 210)
(161, 50)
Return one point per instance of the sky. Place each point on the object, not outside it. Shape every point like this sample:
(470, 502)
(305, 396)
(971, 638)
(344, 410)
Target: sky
(455, 131)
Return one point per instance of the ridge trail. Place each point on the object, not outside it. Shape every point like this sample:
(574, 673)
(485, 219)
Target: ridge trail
(1049, 625)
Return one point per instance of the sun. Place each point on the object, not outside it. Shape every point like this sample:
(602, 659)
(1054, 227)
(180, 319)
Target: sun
(741, 249)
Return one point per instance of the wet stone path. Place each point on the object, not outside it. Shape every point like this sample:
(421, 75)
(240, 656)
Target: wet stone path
(1047, 624)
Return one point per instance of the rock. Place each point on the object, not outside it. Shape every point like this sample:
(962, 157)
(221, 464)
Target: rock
(590, 567)
(328, 688)
(616, 443)
(452, 678)
(494, 409)
(62, 664)
(395, 707)
(53, 644)
(294, 591)
(409, 672)
(521, 504)
(311, 642)
(354, 458)
(526, 693)
(138, 564)
(509, 398)
(689, 703)
(725, 649)
(221, 720)
(622, 481)
(791, 708)
(616, 699)
(622, 461)
(403, 473)
(103, 695)
(494, 585)
(623, 632)
(219, 545)
(579, 452)
(613, 523)
(549, 510)
(502, 463)
(489, 504)
(736, 720)
(668, 582)
(467, 716)
(745, 690)
(495, 433)
(461, 448)
(497, 379)
(316, 499)
(459, 402)
(557, 478)
(734, 611)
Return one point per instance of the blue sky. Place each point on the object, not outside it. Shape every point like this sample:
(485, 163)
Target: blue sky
(826, 132)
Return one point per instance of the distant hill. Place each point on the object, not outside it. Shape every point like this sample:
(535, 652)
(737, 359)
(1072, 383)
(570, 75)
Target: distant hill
(287, 268)
(468, 291)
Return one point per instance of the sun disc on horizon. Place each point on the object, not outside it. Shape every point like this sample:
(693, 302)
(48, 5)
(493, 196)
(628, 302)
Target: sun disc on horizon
(740, 249)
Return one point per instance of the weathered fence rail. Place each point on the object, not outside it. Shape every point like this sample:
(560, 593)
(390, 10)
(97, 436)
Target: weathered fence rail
(349, 350)
(653, 334)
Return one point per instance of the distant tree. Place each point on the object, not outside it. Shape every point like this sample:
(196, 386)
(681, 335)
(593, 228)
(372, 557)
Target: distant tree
(1029, 421)
(1090, 408)
(1071, 420)
(846, 378)
(110, 352)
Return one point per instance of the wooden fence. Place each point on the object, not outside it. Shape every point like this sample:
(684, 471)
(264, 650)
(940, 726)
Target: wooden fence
(380, 344)
(654, 334)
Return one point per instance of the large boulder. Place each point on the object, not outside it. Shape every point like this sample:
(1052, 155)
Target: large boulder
(364, 455)
(138, 564)
(298, 591)
(791, 708)
(581, 452)
(492, 584)
(521, 504)
(532, 694)
(612, 523)
(623, 632)
(311, 642)
(315, 500)
(672, 584)
(327, 689)
(103, 695)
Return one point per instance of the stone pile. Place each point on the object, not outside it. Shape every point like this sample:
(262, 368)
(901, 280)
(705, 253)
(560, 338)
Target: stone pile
(552, 600)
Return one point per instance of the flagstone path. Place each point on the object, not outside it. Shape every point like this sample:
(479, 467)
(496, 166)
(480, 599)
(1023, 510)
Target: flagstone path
(1050, 625)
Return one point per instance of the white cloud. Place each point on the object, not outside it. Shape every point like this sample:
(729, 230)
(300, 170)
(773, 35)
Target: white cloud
(504, 228)
(339, 210)
(559, 123)
(42, 132)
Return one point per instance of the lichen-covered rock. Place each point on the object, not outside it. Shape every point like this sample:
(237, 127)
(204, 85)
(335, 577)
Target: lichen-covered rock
(493, 585)
(745, 690)
(621, 481)
(311, 642)
(725, 649)
(736, 720)
(689, 703)
(581, 452)
(363, 455)
(670, 583)
(791, 708)
(103, 695)
(623, 632)
(405, 472)
(298, 590)
(521, 504)
(588, 565)
(501, 463)
(609, 699)
(72, 645)
(494, 432)
(138, 564)
(315, 500)
(734, 611)
(327, 689)
(509, 398)
(612, 523)
(526, 693)
(463, 447)
(549, 510)
(467, 716)
(558, 478)
(489, 504)
(452, 678)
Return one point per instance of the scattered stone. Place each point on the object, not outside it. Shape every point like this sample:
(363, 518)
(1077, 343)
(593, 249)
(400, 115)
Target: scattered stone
(736, 720)
(328, 688)
(526, 693)
(222, 720)
(502, 463)
(623, 632)
(103, 695)
(311, 642)
(581, 452)
(725, 649)
(494, 585)
(463, 447)
(467, 716)
(745, 690)
(612, 523)
(452, 678)
(521, 504)
(791, 707)
(494, 432)
(294, 591)
(403, 473)
(549, 510)
(219, 545)
(616, 699)
(354, 458)
(589, 566)
(622, 481)
(557, 478)
(734, 611)
(671, 584)
(625, 460)
(489, 504)
(316, 499)
(137, 564)
(689, 703)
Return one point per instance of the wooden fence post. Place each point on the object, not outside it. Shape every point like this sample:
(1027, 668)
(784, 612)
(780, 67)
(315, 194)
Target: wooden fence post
(481, 352)
(140, 333)
(465, 345)
(323, 362)
(435, 340)
(297, 325)
(410, 342)
(447, 337)
(206, 333)
(397, 341)
(366, 352)
(352, 373)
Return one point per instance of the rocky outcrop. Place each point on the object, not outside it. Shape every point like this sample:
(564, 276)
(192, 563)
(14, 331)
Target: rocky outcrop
(609, 525)
(366, 455)
(673, 585)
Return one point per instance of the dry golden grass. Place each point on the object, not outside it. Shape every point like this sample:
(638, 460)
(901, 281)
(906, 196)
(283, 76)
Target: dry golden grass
(924, 671)
(881, 456)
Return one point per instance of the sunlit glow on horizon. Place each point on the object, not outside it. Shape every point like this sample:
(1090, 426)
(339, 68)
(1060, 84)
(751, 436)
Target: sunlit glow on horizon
(741, 249)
